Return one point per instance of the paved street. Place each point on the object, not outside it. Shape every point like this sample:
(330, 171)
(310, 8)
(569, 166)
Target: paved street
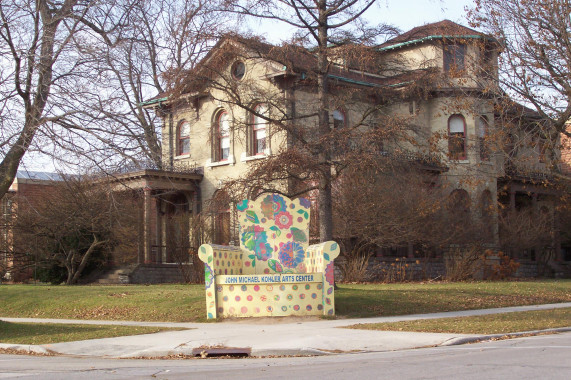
(538, 357)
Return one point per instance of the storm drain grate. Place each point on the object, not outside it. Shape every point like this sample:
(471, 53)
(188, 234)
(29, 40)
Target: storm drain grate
(210, 352)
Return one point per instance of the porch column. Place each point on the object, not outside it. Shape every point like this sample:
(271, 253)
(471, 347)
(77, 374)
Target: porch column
(147, 224)
(159, 234)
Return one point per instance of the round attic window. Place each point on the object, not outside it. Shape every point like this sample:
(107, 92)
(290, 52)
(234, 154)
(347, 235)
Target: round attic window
(238, 70)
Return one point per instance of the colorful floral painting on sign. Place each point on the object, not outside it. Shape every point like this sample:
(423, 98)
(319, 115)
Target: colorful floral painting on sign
(274, 245)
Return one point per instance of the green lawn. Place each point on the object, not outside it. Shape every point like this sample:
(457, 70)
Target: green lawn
(484, 324)
(45, 333)
(413, 298)
(186, 303)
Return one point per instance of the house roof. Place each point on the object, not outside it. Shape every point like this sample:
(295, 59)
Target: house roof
(434, 31)
(291, 59)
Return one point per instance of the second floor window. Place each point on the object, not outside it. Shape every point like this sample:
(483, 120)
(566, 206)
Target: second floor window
(222, 130)
(183, 138)
(457, 137)
(454, 55)
(259, 129)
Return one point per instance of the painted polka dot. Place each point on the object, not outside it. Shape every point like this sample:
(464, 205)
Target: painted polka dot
(266, 271)
(284, 308)
(263, 298)
(314, 295)
(269, 288)
(256, 288)
(307, 286)
(296, 307)
(282, 287)
(247, 263)
(294, 287)
(250, 298)
(319, 307)
(220, 309)
(219, 288)
(330, 312)
(244, 310)
(277, 297)
(225, 298)
(269, 308)
(231, 288)
(308, 307)
(289, 297)
(330, 290)
(292, 206)
(319, 286)
(302, 296)
(244, 288)
(231, 310)
(237, 298)
(263, 220)
(300, 219)
(257, 310)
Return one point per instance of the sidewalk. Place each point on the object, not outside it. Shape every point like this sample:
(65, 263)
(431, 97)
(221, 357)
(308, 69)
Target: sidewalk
(263, 337)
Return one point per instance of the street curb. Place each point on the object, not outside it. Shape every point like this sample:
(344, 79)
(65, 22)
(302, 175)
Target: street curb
(479, 338)
(27, 348)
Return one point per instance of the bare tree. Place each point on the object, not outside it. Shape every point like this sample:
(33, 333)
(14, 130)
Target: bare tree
(536, 56)
(72, 223)
(320, 23)
(42, 71)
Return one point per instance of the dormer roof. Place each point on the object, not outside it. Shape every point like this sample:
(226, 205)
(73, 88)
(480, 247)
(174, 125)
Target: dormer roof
(444, 29)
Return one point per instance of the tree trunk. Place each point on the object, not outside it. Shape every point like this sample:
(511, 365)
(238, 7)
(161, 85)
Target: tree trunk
(324, 197)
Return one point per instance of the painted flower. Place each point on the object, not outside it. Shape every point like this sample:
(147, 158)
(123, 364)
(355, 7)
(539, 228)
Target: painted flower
(255, 239)
(242, 205)
(291, 254)
(284, 220)
(208, 276)
(330, 273)
(301, 268)
(279, 203)
(305, 202)
(268, 207)
(273, 205)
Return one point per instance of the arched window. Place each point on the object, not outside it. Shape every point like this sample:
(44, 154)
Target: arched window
(482, 131)
(339, 119)
(222, 136)
(457, 137)
(259, 129)
(183, 137)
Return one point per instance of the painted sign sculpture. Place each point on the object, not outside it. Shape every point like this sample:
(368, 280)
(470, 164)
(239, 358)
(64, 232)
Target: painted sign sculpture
(274, 272)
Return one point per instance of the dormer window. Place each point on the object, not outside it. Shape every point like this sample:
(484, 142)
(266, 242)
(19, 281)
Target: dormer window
(454, 58)
(238, 70)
